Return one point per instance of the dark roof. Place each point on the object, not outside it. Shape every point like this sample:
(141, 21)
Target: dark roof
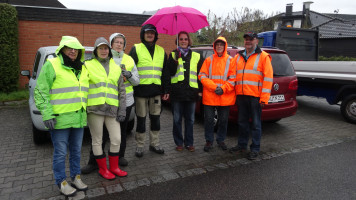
(342, 16)
(32, 13)
(42, 3)
(336, 28)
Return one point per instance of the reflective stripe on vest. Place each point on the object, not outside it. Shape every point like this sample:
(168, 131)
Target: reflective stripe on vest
(218, 77)
(249, 71)
(149, 70)
(129, 64)
(103, 88)
(68, 94)
(193, 78)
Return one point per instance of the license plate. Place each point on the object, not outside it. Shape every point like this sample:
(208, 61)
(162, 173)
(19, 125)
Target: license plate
(276, 98)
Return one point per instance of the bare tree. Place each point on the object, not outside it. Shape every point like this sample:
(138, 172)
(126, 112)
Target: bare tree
(234, 25)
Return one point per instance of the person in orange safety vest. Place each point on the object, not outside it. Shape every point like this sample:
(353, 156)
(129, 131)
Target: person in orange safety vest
(254, 79)
(217, 76)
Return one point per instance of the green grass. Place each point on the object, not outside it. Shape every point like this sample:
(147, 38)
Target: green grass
(15, 96)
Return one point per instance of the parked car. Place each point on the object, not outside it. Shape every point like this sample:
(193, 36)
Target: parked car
(282, 102)
(38, 128)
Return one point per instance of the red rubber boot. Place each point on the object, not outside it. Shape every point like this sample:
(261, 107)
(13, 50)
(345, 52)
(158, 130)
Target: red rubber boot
(103, 170)
(114, 166)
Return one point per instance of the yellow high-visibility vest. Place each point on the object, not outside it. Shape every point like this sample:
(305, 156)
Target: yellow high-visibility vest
(149, 70)
(193, 75)
(68, 94)
(103, 88)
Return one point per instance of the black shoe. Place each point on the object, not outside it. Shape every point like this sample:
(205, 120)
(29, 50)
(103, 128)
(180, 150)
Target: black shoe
(157, 149)
(253, 155)
(139, 152)
(123, 161)
(208, 146)
(237, 150)
(87, 169)
(222, 145)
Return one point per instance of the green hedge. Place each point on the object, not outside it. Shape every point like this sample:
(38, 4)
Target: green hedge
(336, 58)
(9, 60)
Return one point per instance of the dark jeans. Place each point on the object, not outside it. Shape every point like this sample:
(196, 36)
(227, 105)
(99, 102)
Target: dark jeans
(184, 109)
(123, 127)
(223, 116)
(249, 108)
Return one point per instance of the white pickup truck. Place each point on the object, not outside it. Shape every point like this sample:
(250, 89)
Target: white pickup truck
(39, 131)
(333, 80)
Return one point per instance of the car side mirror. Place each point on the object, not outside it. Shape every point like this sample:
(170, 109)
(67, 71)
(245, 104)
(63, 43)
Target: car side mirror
(26, 73)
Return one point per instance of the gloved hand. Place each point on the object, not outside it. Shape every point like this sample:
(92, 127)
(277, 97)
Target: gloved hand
(219, 91)
(126, 73)
(120, 118)
(50, 123)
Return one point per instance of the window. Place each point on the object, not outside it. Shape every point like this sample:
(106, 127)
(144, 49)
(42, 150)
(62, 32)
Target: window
(281, 65)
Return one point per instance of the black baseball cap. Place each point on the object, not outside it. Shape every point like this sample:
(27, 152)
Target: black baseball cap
(251, 34)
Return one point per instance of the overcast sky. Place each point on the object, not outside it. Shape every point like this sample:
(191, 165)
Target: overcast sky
(218, 7)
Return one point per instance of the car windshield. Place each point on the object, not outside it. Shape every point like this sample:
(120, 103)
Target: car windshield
(281, 65)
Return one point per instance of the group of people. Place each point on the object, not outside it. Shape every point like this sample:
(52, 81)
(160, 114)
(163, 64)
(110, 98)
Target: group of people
(72, 93)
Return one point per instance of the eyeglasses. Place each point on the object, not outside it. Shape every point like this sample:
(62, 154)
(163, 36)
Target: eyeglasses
(183, 39)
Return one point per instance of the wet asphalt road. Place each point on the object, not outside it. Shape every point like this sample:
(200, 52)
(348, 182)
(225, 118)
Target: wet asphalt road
(320, 173)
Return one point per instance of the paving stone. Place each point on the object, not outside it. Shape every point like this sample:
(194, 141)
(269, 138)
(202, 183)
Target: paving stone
(130, 185)
(157, 179)
(59, 197)
(143, 182)
(79, 195)
(210, 168)
(21, 195)
(11, 190)
(222, 166)
(95, 192)
(114, 188)
(170, 176)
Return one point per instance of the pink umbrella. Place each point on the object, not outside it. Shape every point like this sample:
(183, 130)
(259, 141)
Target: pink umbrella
(172, 20)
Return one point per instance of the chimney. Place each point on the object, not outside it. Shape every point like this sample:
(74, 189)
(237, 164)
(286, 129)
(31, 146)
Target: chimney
(289, 9)
(306, 13)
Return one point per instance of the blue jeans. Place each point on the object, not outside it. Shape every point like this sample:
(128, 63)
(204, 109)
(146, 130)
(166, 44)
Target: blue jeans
(223, 116)
(63, 139)
(184, 109)
(249, 108)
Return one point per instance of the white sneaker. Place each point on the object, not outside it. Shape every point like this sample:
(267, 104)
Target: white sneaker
(66, 189)
(78, 183)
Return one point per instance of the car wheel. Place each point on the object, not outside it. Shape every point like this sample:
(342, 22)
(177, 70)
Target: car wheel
(130, 125)
(348, 108)
(39, 137)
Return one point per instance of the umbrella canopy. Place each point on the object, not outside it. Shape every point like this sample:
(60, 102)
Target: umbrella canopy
(172, 20)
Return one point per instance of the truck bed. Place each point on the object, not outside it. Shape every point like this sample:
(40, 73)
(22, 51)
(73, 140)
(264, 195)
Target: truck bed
(326, 70)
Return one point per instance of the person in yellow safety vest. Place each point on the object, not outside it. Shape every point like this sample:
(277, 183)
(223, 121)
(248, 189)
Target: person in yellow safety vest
(106, 105)
(217, 76)
(61, 96)
(254, 79)
(184, 66)
(150, 60)
(131, 78)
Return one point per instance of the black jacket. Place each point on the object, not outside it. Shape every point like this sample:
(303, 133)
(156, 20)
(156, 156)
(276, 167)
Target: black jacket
(182, 91)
